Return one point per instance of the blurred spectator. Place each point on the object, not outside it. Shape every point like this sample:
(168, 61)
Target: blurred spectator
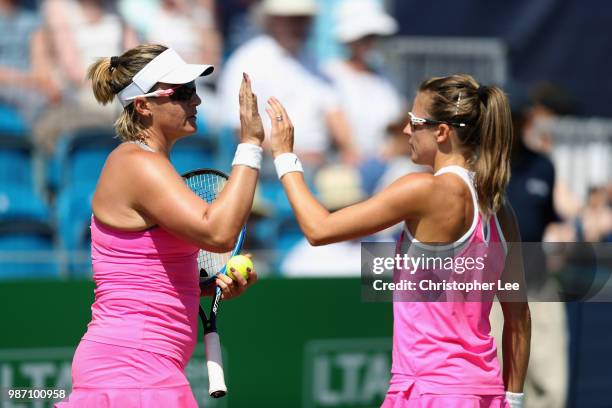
(548, 102)
(531, 185)
(187, 26)
(369, 100)
(393, 162)
(530, 192)
(25, 82)
(138, 14)
(80, 32)
(395, 154)
(595, 222)
(337, 186)
(274, 61)
(236, 23)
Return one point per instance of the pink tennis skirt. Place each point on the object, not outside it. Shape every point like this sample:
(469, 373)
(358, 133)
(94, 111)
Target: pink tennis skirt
(108, 376)
(409, 399)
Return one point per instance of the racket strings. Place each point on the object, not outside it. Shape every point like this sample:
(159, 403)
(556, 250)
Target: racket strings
(208, 186)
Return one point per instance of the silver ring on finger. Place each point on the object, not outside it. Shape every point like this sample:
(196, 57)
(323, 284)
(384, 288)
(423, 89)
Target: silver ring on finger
(279, 118)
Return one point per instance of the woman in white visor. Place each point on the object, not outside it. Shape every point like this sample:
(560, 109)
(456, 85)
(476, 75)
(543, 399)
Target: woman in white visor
(147, 227)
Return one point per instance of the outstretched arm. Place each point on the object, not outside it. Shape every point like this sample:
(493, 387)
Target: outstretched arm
(406, 198)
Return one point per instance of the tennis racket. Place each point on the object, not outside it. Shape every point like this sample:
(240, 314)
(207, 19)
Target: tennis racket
(208, 183)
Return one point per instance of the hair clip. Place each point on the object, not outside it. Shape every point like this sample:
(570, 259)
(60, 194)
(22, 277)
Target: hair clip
(457, 104)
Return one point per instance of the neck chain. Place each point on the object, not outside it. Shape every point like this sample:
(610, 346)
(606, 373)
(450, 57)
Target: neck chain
(142, 145)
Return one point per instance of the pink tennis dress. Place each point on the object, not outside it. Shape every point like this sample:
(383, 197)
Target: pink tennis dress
(144, 322)
(443, 353)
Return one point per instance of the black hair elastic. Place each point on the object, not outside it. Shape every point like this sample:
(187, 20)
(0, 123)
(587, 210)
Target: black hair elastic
(114, 62)
(483, 92)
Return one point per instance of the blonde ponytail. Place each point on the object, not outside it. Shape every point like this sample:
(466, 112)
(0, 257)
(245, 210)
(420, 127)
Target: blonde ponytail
(101, 78)
(110, 75)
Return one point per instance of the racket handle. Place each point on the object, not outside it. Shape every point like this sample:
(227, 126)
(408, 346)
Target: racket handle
(214, 363)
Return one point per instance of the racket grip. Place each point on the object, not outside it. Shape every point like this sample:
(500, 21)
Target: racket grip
(214, 363)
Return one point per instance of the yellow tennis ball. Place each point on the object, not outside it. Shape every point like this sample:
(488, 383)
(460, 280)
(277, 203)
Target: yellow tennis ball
(239, 263)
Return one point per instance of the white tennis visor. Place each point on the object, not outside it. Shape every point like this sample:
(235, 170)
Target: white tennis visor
(169, 68)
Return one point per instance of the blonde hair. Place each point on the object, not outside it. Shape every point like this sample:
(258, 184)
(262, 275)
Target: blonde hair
(488, 134)
(110, 75)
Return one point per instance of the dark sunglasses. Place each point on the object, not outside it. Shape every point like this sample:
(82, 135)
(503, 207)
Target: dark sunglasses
(183, 92)
(179, 93)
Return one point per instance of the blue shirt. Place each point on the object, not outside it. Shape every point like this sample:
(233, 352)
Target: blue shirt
(16, 30)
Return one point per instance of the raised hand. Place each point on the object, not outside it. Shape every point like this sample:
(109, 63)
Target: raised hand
(281, 138)
(251, 128)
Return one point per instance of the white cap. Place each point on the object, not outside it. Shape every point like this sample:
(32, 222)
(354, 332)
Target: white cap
(359, 18)
(169, 68)
(289, 7)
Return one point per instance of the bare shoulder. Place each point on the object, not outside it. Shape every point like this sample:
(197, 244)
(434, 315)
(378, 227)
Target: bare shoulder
(132, 161)
(412, 191)
(415, 183)
(438, 192)
(131, 179)
(137, 173)
(448, 184)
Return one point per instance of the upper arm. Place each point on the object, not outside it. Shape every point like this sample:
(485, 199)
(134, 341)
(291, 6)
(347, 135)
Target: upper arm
(159, 194)
(406, 198)
(162, 190)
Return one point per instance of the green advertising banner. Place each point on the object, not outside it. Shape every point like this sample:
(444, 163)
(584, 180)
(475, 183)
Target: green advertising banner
(286, 343)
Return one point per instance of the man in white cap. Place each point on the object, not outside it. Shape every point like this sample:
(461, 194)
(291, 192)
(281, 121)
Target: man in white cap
(273, 61)
(369, 100)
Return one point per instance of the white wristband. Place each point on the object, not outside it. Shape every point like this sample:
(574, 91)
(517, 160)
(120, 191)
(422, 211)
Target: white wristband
(515, 399)
(248, 154)
(287, 163)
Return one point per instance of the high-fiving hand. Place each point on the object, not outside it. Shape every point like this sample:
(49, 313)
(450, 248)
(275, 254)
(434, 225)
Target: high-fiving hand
(281, 138)
(251, 128)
